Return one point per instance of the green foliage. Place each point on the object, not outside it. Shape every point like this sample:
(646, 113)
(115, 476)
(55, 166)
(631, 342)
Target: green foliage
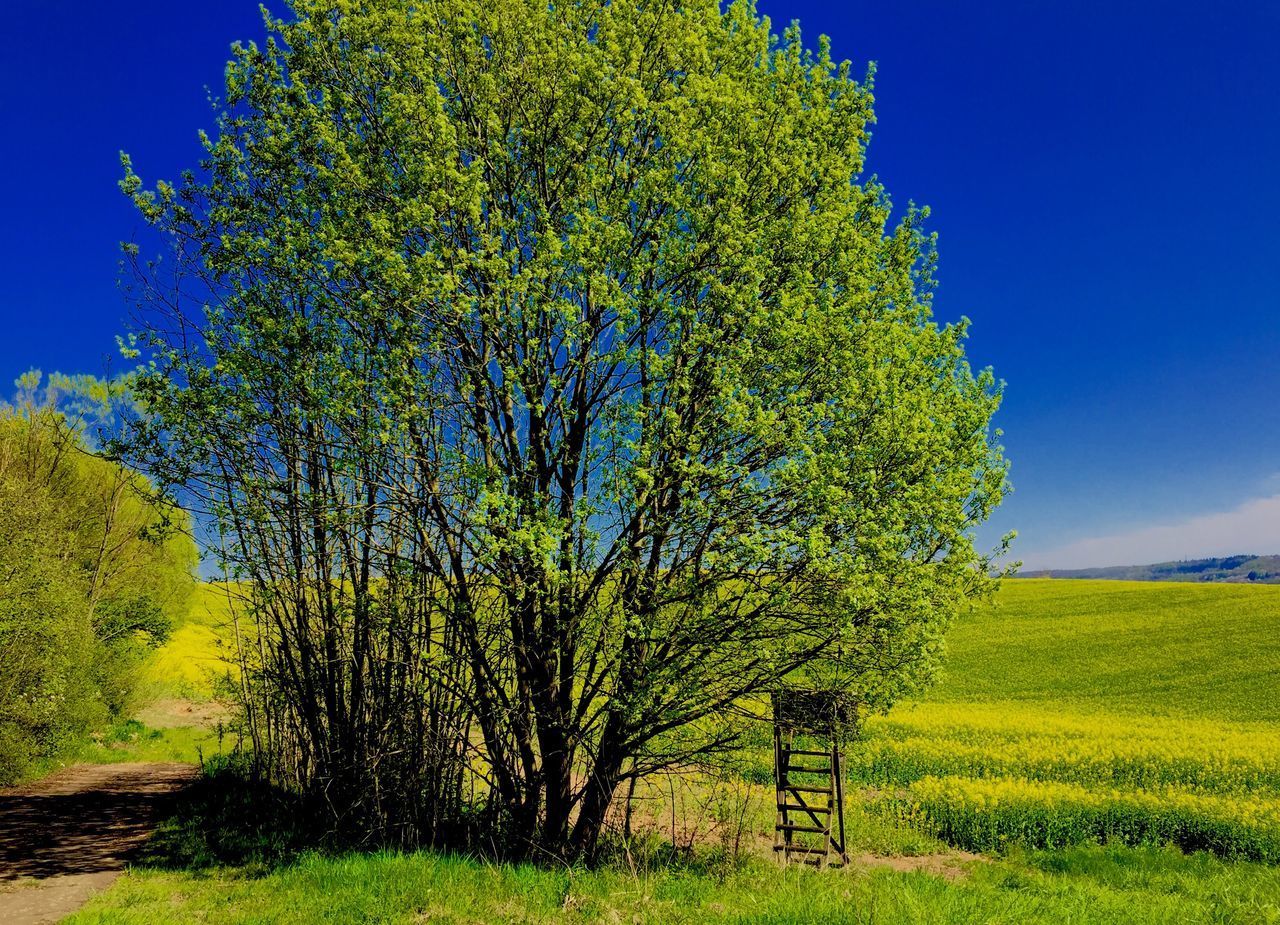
(47, 651)
(557, 380)
(91, 579)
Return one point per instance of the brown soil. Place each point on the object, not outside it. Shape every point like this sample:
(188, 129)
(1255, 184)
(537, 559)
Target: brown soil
(173, 714)
(70, 835)
(950, 864)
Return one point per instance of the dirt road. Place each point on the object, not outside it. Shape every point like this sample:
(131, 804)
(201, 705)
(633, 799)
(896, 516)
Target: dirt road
(66, 837)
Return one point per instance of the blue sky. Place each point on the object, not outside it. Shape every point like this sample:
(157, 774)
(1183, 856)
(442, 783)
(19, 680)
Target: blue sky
(1103, 179)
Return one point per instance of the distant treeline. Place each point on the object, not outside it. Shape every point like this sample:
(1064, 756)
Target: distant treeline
(1236, 569)
(93, 573)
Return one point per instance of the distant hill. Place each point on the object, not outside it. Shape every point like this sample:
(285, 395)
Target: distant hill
(1232, 569)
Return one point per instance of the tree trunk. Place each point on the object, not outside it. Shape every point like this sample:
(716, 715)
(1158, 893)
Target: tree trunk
(598, 796)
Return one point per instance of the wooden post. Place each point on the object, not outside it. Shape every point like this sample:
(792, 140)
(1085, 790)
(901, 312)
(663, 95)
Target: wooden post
(781, 834)
(837, 784)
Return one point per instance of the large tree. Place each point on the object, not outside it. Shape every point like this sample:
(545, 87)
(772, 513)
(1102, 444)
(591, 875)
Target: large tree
(556, 382)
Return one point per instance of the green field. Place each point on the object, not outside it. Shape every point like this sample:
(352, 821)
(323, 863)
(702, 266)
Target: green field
(1141, 887)
(1139, 712)
(1112, 749)
(1145, 648)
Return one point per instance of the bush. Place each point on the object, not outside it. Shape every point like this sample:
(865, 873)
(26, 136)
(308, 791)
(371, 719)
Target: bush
(91, 578)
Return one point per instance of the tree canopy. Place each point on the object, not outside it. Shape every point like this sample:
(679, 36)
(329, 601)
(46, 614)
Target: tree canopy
(558, 383)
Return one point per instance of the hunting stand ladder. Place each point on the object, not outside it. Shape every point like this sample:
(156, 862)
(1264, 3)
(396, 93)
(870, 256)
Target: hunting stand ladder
(810, 820)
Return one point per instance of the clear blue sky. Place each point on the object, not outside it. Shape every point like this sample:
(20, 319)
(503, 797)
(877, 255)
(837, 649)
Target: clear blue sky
(1103, 178)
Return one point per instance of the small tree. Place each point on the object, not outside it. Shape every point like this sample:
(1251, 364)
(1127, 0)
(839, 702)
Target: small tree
(558, 388)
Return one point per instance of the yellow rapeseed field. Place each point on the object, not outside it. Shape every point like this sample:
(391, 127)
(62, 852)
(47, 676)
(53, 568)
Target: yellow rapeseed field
(1173, 738)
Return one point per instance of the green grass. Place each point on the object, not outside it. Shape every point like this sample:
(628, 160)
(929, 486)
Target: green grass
(134, 741)
(1094, 886)
(1148, 648)
(1077, 714)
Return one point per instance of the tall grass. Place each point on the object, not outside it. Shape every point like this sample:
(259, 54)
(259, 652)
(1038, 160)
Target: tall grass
(1085, 887)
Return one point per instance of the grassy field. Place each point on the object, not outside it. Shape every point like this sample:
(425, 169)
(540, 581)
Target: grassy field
(1112, 749)
(1143, 713)
(1137, 648)
(1135, 886)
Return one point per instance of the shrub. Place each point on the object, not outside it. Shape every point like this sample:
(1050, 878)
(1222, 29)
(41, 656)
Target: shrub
(90, 580)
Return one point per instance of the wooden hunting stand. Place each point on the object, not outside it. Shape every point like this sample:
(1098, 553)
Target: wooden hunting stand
(810, 821)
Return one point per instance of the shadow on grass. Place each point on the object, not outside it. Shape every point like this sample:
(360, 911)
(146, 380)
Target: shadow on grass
(230, 818)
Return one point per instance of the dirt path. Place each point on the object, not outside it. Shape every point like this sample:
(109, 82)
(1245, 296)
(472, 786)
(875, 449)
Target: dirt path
(66, 837)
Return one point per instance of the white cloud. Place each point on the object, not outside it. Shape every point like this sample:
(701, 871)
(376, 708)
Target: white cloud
(1253, 527)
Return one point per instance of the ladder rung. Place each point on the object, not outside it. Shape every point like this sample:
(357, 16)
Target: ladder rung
(798, 769)
(797, 751)
(806, 789)
(803, 809)
(799, 849)
(788, 827)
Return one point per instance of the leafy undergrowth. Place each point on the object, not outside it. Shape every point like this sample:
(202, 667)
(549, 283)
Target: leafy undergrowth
(227, 818)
